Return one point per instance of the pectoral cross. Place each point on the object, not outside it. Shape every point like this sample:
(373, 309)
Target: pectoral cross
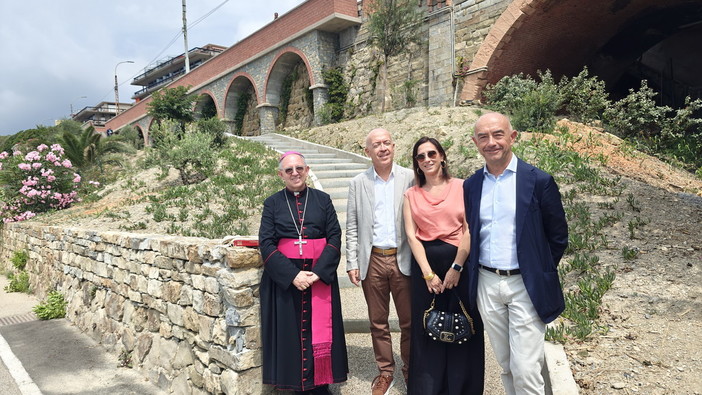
(300, 242)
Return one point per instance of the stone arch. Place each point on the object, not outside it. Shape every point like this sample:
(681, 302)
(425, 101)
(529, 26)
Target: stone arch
(242, 85)
(205, 106)
(279, 69)
(141, 134)
(609, 37)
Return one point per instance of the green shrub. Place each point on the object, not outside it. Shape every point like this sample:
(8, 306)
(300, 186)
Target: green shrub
(636, 115)
(508, 91)
(19, 259)
(215, 128)
(53, 307)
(19, 282)
(130, 135)
(338, 92)
(584, 98)
(532, 104)
(659, 130)
(193, 155)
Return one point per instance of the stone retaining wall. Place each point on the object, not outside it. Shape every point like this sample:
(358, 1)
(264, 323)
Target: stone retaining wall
(185, 311)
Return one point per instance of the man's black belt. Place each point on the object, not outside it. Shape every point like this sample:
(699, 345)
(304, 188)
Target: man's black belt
(500, 271)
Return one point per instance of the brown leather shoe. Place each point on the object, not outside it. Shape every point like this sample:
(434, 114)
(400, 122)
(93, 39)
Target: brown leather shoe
(382, 384)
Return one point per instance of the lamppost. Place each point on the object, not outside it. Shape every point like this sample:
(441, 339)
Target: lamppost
(117, 86)
(78, 98)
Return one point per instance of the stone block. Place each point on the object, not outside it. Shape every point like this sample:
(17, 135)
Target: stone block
(163, 262)
(165, 330)
(198, 282)
(211, 285)
(183, 356)
(191, 320)
(175, 314)
(128, 339)
(198, 300)
(186, 296)
(212, 383)
(142, 347)
(240, 278)
(205, 327)
(219, 332)
(171, 291)
(196, 376)
(211, 304)
(155, 288)
(237, 258)
(153, 321)
(239, 298)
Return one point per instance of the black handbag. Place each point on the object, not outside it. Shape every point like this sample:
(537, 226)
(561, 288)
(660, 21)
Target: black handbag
(448, 327)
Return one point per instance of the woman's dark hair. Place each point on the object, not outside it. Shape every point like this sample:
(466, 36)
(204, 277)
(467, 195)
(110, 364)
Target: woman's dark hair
(420, 178)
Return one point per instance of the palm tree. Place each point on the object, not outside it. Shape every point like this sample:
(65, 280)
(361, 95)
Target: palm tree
(89, 148)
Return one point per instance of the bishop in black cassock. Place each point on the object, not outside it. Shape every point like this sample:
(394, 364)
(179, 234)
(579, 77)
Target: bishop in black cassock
(304, 348)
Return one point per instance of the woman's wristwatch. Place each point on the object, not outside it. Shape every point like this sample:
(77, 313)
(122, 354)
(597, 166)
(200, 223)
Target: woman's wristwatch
(457, 267)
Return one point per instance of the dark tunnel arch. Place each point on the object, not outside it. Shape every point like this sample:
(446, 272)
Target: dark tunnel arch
(620, 41)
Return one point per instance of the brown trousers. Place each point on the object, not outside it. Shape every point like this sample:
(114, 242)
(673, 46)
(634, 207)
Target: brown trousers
(383, 279)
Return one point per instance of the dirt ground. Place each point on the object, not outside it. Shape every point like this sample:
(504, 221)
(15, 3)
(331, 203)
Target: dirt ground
(652, 314)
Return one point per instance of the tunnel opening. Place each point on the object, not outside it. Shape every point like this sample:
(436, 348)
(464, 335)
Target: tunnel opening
(660, 46)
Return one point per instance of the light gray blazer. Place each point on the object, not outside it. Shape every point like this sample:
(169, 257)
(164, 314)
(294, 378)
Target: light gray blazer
(360, 218)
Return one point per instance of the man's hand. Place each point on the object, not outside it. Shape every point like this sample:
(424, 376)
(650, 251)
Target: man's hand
(304, 280)
(354, 276)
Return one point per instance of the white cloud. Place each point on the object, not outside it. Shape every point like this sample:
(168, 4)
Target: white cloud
(62, 50)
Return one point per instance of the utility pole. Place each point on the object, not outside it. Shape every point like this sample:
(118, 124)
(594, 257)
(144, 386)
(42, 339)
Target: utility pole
(117, 86)
(185, 39)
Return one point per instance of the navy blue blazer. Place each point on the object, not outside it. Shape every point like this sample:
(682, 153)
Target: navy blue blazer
(542, 236)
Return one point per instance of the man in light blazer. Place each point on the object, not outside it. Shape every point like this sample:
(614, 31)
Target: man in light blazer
(518, 236)
(377, 252)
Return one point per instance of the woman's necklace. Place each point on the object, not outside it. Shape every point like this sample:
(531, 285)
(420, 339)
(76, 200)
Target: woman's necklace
(299, 241)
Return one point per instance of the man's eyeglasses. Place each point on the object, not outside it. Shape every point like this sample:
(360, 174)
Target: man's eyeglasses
(289, 170)
(423, 157)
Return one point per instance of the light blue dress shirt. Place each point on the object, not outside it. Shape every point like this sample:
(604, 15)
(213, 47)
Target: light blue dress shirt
(384, 212)
(498, 204)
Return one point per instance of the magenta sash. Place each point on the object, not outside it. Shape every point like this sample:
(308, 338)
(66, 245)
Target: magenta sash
(321, 307)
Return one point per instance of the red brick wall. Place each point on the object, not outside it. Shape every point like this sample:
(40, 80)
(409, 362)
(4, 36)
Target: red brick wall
(287, 25)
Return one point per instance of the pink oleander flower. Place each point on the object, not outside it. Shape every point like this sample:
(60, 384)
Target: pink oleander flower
(97, 184)
(57, 148)
(4, 154)
(16, 153)
(76, 177)
(30, 181)
(24, 166)
(66, 163)
(51, 178)
(46, 172)
(42, 147)
(36, 165)
(51, 157)
(32, 156)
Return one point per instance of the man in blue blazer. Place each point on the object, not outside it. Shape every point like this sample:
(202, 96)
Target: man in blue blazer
(518, 236)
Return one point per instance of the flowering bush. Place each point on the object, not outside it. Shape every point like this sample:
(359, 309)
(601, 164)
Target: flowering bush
(36, 182)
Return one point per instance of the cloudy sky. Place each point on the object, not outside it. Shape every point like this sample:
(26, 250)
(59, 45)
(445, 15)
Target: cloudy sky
(56, 52)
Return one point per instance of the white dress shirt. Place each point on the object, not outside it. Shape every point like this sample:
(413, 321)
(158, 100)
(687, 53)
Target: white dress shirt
(384, 212)
(498, 204)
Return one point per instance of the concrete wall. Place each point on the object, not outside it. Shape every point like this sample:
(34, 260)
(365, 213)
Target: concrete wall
(186, 310)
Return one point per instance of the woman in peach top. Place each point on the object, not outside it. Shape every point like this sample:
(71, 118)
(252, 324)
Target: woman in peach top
(438, 235)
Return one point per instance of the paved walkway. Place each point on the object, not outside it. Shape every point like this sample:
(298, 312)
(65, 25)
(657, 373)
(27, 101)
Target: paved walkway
(54, 357)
